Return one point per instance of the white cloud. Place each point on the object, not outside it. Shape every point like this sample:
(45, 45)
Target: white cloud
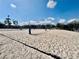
(40, 22)
(46, 22)
(51, 18)
(13, 5)
(23, 23)
(62, 21)
(32, 22)
(71, 20)
(51, 4)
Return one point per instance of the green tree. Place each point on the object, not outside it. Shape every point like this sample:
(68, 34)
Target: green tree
(15, 22)
(73, 25)
(8, 21)
(60, 25)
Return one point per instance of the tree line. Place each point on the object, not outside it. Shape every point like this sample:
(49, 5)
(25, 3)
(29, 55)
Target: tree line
(72, 26)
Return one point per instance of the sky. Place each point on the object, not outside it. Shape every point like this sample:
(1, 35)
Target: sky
(37, 10)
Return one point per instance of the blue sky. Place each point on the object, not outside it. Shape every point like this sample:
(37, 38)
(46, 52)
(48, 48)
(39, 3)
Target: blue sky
(24, 10)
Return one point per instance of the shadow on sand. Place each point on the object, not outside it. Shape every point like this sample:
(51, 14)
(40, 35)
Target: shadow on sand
(49, 54)
(36, 34)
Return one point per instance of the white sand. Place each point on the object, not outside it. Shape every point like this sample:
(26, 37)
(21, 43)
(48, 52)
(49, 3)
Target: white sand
(59, 42)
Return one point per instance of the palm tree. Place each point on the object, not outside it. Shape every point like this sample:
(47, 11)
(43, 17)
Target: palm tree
(15, 22)
(7, 21)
